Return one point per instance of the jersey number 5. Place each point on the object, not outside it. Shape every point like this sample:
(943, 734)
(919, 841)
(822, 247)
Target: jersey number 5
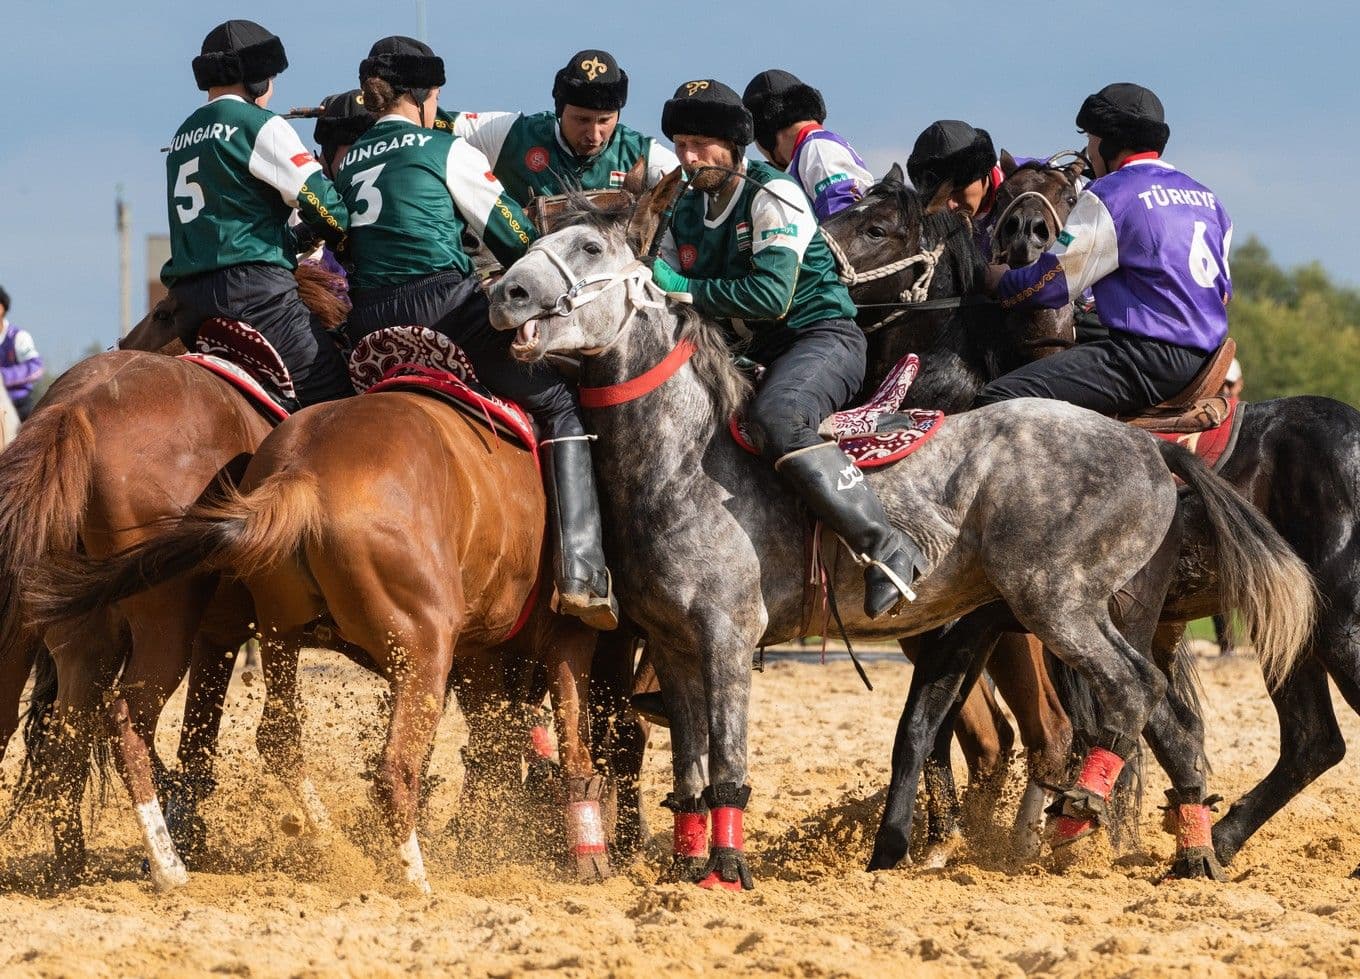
(365, 187)
(185, 188)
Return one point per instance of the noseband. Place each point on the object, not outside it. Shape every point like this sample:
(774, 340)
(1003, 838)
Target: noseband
(913, 295)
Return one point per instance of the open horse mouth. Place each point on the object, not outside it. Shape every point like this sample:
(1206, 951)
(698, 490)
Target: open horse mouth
(525, 345)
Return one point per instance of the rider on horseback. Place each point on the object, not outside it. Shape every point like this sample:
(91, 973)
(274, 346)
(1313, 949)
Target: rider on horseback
(580, 142)
(412, 189)
(1153, 245)
(957, 163)
(344, 118)
(749, 252)
(236, 171)
(788, 116)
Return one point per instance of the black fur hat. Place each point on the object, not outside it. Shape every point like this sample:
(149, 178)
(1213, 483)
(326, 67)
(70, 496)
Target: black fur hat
(592, 79)
(707, 107)
(778, 99)
(1128, 116)
(950, 150)
(239, 51)
(4, 298)
(343, 119)
(404, 63)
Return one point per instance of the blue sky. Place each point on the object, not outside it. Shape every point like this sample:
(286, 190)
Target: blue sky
(1261, 99)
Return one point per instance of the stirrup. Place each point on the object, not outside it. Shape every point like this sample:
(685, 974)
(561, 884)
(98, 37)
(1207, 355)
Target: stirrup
(597, 611)
(865, 561)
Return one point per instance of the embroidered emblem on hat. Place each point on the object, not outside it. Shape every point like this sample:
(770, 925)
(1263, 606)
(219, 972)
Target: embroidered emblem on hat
(593, 67)
(688, 256)
(536, 159)
(693, 88)
(359, 99)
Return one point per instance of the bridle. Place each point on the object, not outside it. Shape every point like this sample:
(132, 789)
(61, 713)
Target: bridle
(582, 290)
(912, 298)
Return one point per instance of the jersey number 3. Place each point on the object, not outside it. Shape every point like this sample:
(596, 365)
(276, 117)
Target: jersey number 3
(184, 187)
(365, 188)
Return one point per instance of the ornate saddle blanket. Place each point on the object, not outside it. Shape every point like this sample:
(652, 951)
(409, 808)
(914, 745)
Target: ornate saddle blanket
(241, 356)
(418, 359)
(1213, 445)
(864, 433)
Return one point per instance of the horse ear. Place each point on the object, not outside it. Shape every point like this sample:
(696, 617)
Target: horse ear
(642, 226)
(895, 175)
(635, 180)
(939, 202)
(1008, 164)
(1075, 170)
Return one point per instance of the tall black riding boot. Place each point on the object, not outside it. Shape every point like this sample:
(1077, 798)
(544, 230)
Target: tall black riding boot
(837, 493)
(584, 587)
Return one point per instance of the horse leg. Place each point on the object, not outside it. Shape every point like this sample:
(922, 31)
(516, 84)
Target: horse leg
(1018, 667)
(418, 689)
(15, 666)
(685, 697)
(491, 757)
(942, 669)
(1310, 744)
(279, 736)
(987, 738)
(570, 649)
(619, 735)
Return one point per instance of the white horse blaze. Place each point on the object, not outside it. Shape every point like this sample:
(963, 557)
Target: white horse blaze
(167, 869)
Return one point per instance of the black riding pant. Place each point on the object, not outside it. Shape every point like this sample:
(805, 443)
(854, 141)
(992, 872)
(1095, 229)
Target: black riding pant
(457, 307)
(266, 297)
(819, 373)
(1119, 375)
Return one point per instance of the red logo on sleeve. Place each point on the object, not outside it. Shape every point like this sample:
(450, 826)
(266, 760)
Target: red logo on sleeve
(536, 159)
(688, 256)
(302, 159)
(490, 177)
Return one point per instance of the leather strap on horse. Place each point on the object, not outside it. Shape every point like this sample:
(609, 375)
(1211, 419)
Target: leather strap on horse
(645, 383)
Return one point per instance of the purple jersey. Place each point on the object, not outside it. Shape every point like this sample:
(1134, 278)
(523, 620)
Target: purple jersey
(1152, 244)
(828, 169)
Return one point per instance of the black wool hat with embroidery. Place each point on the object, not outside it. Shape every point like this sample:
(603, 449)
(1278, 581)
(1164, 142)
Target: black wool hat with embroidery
(777, 99)
(238, 52)
(1125, 115)
(707, 107)
(950, 150)
(343, 119)
(592, 79)
(404, 63)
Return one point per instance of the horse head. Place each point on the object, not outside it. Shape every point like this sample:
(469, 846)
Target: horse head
(1032, 205)
(575, 289)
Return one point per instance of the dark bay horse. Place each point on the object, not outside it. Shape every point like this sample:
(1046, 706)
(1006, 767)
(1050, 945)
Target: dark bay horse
(1297, 460)
(711, 559)
(414, 536)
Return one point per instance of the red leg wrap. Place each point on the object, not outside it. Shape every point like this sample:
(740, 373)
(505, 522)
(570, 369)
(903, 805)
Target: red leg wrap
(691, 834)
(1193, 828)
(1100, 771)
(540, 743)
(585, 829)
(727, 828)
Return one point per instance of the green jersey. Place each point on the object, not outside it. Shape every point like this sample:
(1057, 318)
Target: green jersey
(531, 158)
(410, 192)
(235, 173)
(761, 264)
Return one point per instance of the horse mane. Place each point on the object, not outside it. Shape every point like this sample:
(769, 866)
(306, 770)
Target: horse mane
(727, 386)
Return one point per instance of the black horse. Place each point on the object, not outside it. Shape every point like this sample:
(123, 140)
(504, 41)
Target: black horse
(1296, 459)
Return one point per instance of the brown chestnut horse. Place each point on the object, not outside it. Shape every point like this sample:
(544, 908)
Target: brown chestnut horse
(415, 536)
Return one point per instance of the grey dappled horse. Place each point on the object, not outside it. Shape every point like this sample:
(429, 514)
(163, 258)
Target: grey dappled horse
(707, 544)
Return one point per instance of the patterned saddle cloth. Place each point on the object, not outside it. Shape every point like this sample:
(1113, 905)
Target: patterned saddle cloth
(424, 361)
(240, 355)
(864, 433)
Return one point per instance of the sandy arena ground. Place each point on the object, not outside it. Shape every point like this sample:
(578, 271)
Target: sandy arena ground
(279, 905)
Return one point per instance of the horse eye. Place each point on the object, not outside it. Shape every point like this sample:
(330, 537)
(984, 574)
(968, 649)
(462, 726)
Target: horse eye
(593, 248)
(874, 231)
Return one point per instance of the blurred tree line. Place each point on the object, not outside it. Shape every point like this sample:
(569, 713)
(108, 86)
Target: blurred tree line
(1297, 331)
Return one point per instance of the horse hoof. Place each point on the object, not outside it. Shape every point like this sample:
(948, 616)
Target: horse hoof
(1197, 863)
(938, 855)
(888, 853)
(168, 876)
(727, 870)
(592, 867)
(684, 870)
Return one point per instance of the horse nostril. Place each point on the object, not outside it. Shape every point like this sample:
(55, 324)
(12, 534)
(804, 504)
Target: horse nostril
(1040, 231)
(1012, 226)
(517, 293)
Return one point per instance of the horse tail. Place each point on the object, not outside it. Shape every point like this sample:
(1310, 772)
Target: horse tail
(38, 742)
(45, 477)
(241, 533)
(1260, 576)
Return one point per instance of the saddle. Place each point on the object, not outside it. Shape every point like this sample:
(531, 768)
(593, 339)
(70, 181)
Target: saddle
(1199, 407)
(877, 433)
(424, 361)
(240, 355)
(545, 212)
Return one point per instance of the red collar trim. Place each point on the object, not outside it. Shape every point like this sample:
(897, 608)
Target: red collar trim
(994, 182)
(645, 383)
(1134, 157)
(804, 133)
